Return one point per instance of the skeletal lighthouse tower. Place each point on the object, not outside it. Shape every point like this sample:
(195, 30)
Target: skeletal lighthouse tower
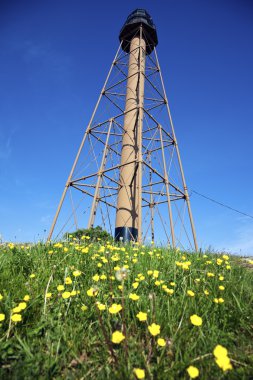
(137, 45)
(127, 175)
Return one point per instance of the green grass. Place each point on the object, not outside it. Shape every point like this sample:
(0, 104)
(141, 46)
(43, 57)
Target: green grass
(57, 339)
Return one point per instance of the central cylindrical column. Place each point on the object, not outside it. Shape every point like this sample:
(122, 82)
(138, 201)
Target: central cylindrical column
(128, 216)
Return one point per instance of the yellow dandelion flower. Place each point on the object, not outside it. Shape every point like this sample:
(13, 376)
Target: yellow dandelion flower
(221, 287)
(22, 305)
(190, 293)
(115, 308)
(73, 293)
(134, 296)
(193, 372)
(103, 277)
(84, 308)
(139, 373)
(60, 288)
(26, 297)
(172, 283)
(48, 295)
(221, 278)
(206, 292)
(99, 265)
(77, 273)
(16, 317)
(115, 258)
(149, 272)
(101, 306)
(68, 281)
(135, 285)
(95, 278)
(117, 337)
(92, 292)
(142, 316)
(225, 257)
(155, 273)
(219, 351)
(154, 329)
(196, 320)
(161, 342)
(32, 275)
(169, 291)
(66, 295)
(210, 274)
(224, 363)
(219, 261)
(228, 267)
(2, 317)
(16, 309)
(1, 297)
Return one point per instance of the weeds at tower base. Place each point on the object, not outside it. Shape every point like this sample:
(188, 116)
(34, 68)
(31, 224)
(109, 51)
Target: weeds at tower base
(99, 311)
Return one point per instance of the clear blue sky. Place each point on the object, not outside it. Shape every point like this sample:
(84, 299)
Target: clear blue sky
(54, 56)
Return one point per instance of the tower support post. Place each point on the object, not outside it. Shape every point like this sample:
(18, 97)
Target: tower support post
(151, 201)
(167, 190)
(80, 150)
(179, 158)
(99, 179)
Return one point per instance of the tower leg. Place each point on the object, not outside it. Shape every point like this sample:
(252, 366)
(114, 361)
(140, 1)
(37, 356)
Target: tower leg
(79, 151)
(179, 159)
(167, 191)
(99, 179)
(151, 201)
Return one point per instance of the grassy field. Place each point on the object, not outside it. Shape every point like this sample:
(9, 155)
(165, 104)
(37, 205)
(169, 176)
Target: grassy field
(93, 311)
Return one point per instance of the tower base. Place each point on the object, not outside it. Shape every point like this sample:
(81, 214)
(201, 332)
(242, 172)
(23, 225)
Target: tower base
(126, 234)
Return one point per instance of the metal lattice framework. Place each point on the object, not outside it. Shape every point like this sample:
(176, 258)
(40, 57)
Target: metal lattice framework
(94, 181)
